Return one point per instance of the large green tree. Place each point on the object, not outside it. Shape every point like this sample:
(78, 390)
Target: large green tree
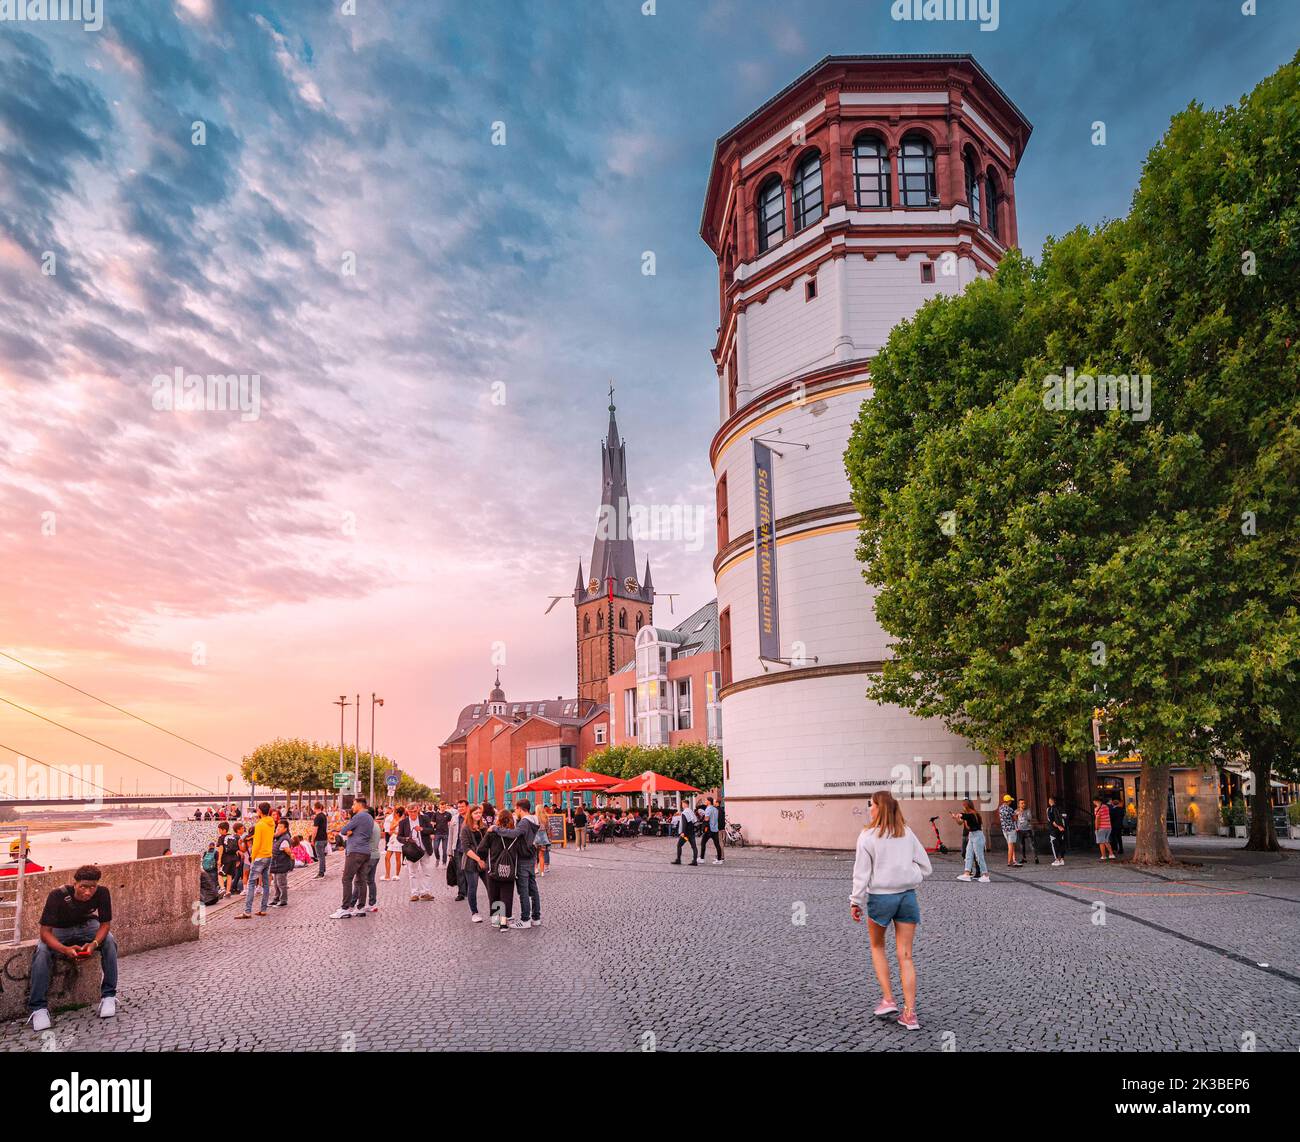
(693, 763)
(1034, 561)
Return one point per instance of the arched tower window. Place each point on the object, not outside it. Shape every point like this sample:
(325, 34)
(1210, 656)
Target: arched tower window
(600, 620)
(771, 213)
(640, 620)
(586, 624)
(994, 203)
(972, 187)
(870, 171)
(808, 192)
(916, 171)
(622, 619)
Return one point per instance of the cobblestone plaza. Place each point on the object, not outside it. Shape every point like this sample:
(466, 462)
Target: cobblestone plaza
(761, 949)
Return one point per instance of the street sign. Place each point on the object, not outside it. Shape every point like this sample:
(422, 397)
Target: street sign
(343, 781)
(391, 782)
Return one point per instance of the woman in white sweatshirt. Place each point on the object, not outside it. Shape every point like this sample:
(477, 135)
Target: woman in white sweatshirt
(890, 864)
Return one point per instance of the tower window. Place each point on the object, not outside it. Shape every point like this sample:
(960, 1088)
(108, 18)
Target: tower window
(724, 523)
(995, 202)
(808, 192)
(600, 620)
(724, 645)
(622, 619)
(972, 188)
(586, 624)
(916, 166)
(927, 271)
(640, 620)
(810, 289)
(871, 172)
(771, 214)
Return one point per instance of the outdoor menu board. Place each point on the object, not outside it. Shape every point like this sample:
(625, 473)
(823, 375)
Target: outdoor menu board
(555, 828)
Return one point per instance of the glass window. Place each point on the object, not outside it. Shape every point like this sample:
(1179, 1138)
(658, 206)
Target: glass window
(600, 734)
(771, 214)
(683, 703)
(916, 171)
(871, 171)
(808, 192)
(629, 713)
(995, 201)
(972, 189)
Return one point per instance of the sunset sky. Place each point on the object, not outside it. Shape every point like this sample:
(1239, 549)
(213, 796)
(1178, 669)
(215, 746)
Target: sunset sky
(388, 517)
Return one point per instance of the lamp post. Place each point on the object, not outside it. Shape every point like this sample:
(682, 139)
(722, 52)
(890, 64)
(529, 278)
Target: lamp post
(374, 701)
(356, 769)
(229, 778)
(342, 704)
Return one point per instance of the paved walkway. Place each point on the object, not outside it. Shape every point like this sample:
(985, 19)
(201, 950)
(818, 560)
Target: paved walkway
(761, 947)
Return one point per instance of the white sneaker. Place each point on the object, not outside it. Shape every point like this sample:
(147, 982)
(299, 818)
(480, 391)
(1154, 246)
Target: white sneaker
(107, 1007)
(40, 1019)
(537, 923)
(358, 911)
(519, 924)
(341, 914)
(1057, 863)
(717, 862)
(984, 879)
(373, 908)
(475, 918)
(965, 876)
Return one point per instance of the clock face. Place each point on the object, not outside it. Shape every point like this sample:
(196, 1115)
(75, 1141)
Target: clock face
(594, 586)
(631, 584)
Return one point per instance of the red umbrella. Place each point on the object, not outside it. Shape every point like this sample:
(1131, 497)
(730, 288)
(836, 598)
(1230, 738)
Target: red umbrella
(567, 780)
(650, 782)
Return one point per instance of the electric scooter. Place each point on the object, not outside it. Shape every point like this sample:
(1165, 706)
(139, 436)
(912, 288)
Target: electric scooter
(939, 846)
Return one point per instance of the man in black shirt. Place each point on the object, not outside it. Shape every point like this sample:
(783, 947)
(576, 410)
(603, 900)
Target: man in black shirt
(321, 838)
(1117, 826)
(75, 925)
(441, 831)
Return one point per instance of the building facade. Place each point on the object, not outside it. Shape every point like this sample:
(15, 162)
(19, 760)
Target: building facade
(868, 186)
(668, 692)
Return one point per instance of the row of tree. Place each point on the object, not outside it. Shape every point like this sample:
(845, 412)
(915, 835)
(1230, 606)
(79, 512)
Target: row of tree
(1037, 556)
(694, 763)
(294, 765)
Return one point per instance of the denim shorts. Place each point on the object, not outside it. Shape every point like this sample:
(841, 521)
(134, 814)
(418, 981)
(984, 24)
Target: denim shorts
(899, 907)
(1103, 836)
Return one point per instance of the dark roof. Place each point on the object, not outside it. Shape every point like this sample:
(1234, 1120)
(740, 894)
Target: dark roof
(615, 555)
(696, 634)
(561, 711)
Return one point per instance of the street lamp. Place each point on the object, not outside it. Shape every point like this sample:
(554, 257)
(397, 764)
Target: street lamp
(374, 701)
(342, 704)
(229, 778)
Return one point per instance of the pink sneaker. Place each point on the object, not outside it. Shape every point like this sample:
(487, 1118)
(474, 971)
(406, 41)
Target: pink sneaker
(908, 1020)
(885, 1007)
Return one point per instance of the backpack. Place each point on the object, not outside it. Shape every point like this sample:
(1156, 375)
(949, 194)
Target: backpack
(503, 868)
(210, 861)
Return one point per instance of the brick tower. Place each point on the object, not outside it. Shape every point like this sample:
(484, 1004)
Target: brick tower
(612, 603)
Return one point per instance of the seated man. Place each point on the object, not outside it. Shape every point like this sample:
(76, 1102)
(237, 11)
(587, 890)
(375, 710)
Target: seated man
(75, 924)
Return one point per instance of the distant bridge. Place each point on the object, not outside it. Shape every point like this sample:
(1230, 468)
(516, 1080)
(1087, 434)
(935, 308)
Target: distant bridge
(208, 799)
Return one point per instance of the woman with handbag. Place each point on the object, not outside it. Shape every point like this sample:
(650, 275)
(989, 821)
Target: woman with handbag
(392, 846)
(498, 853)
(472, 833)
(419, 882)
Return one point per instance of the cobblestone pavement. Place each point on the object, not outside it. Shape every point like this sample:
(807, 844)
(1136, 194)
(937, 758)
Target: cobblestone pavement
(761, 948)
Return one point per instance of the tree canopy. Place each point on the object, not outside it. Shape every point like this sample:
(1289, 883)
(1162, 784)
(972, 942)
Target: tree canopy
(691, 762)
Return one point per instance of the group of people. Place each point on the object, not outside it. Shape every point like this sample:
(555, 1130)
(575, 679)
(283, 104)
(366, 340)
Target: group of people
(703, 819)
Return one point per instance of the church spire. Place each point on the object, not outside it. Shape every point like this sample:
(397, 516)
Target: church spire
(613, 554)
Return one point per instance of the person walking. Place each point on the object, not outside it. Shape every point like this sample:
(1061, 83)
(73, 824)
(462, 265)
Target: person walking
(419, 861)
(1007, 823)
(1056, 831)
(542, 841)
(371, 900)
(711, 827)
(228, 857)
(1025, 831)
(320, 841)
(580, 826)
(1117, 826)
(281, 864)
(499, 857)
(976, 866)
(1101, 823)
(441, 829)
(472, 832)
(260, 855)
(453, 844)
(356, 835)
(531, 843)
(392, 846)
(686, 833)
(889, 866)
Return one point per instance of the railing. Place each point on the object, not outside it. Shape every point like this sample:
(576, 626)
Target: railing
(11, 887)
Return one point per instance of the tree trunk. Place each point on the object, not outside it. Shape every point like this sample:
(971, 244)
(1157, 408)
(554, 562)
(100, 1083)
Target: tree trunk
(1263, 837)
(1151, 841)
